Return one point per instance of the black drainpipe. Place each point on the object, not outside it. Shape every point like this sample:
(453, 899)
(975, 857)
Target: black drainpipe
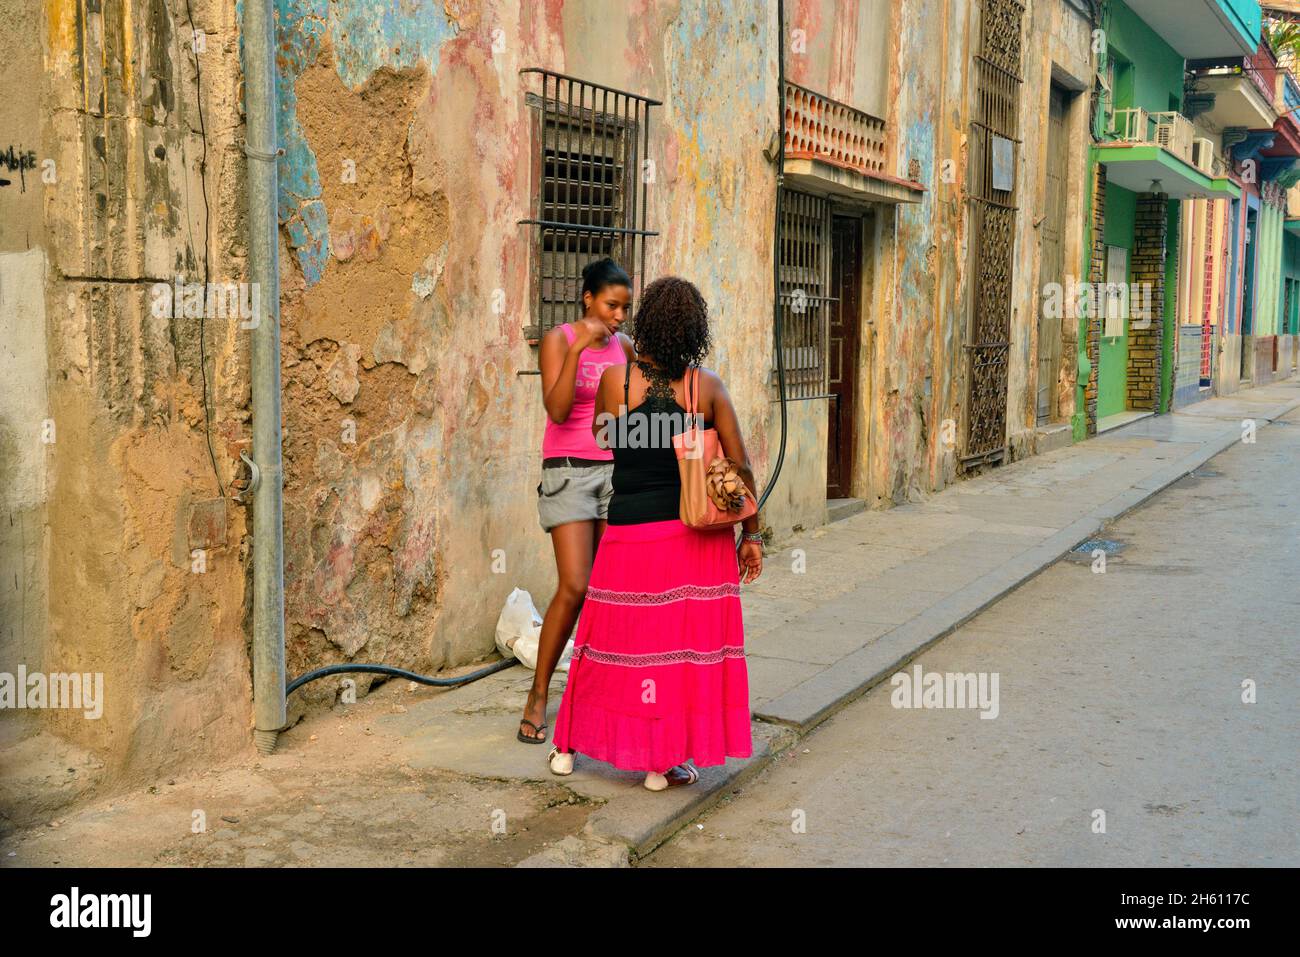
(776, 243)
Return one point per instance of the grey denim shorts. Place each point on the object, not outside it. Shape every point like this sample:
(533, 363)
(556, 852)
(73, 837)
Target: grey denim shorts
(574, 494)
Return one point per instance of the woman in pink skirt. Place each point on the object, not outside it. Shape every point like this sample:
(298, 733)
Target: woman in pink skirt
(658, 676)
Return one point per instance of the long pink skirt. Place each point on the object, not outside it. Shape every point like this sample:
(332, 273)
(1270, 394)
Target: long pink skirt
(658, 672)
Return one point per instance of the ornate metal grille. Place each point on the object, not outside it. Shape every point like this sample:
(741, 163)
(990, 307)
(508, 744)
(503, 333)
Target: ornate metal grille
(591, 182)
(805, 284)
(994, 145)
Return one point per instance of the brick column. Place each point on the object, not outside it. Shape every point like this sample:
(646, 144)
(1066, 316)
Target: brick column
(1213, 219)
(1147, 269)
(1096, 276)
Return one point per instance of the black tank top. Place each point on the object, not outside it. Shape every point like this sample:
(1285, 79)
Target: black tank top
(647, 485)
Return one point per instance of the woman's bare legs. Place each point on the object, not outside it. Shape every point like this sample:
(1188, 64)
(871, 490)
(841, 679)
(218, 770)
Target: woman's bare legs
(575, 549)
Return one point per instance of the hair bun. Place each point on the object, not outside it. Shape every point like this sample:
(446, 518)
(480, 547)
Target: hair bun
(597, 264)
(599, 273)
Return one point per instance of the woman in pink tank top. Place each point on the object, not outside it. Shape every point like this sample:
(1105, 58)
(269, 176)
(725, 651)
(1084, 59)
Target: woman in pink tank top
(573, 496)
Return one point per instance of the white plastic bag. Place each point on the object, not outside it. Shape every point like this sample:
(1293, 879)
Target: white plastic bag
(519, 629)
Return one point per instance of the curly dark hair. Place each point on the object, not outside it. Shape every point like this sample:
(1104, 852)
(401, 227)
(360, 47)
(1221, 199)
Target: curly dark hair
(672, 325)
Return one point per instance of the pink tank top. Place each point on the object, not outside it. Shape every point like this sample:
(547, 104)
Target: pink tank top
(573, 436)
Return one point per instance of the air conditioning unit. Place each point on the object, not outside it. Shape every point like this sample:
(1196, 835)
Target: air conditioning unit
(1174, 134)
(1203, 155)
(1130, 125)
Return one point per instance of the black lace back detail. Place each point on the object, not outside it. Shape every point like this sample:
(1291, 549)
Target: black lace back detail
(659, 394)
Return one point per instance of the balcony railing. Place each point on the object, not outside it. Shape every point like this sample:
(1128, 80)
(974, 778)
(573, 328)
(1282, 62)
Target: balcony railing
(1170, 131)
(1264, 64)
(817, 127)
(1259, 70)
(1288, 99)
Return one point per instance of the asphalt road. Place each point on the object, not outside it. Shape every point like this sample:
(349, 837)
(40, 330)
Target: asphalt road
(1119, 706)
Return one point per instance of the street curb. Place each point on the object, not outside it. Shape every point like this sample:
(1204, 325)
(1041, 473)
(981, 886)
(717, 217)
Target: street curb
(648, 820)
(801, 709)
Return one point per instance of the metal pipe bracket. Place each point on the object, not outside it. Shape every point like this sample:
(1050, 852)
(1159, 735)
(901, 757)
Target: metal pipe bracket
(245, 495)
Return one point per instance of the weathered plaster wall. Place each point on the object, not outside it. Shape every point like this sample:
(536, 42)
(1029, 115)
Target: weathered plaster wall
(798, 503)
(402, 545)
(843, 49)
(915, 337)
(913, 363)
(23, 452)
(871, 469)
(23, 480)
(1058, 47)
(921, 376)
(128, 487)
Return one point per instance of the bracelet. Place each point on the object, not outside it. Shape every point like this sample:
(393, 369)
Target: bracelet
(752, 537)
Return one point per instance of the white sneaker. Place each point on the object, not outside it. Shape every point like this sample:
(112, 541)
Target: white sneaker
(654, 781)
(561, 764)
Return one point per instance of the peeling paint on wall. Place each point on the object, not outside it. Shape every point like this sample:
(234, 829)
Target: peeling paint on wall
(366, 37)
(412, 435)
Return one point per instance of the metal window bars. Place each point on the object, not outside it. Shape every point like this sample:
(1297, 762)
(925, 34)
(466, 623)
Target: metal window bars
(591, 188)
(805, 286)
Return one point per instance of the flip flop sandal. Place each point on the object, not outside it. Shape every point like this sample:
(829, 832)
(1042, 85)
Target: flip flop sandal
(540, 739)
(661, 782)
(561, 764)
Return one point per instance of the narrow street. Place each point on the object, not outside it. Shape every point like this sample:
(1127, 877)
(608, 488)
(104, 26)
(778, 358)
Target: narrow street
(560, 434)
(1120, 691)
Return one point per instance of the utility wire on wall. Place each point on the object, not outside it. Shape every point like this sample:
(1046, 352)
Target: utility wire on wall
(777, 316)
(207, 219)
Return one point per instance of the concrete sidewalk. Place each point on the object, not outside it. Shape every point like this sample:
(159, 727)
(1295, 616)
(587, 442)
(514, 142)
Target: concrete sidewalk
(847, 605)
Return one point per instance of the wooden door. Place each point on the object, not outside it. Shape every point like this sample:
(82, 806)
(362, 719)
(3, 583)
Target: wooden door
(843, 345)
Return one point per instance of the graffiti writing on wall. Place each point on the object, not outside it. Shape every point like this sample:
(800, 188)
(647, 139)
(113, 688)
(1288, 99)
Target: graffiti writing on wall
(18, 161)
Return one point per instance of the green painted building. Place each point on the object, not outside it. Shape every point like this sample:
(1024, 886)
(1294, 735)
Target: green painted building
(1141, 168)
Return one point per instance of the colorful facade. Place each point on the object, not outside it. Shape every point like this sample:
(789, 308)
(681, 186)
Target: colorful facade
(1197, 145)
(1228, 97)
(1158, 193)
(1289, 329)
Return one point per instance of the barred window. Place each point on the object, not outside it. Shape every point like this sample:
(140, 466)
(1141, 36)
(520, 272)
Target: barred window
(590, 181)
(805, 262)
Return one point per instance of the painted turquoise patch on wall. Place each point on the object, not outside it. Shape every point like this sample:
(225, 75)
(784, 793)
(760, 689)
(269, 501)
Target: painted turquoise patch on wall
(366, 36)
(370, 35)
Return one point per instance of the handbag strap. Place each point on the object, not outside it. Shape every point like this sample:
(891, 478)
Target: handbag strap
(690, 388)
(627, 379)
